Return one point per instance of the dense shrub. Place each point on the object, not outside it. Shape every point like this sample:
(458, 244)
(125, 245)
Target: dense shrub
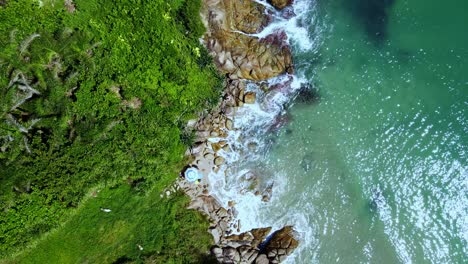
(93, 96)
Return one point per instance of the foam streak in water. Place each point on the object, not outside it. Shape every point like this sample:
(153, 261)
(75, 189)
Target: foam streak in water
(237, 180)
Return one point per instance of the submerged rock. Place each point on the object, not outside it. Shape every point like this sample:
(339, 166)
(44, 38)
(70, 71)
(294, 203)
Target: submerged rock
(307, 162)
(307, 95)
(279, 122)
(250, 97)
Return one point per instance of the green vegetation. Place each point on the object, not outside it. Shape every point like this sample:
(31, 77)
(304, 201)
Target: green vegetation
(94, 96)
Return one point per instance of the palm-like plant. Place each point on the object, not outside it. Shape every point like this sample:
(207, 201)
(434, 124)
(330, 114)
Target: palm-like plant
(37, 80)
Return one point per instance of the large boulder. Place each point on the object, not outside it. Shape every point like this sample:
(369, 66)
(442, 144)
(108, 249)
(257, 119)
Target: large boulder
(247, 16)
(259, 235)
(205, 204)
(236, 241)
(262, 259)
(280, 244)
(280, 4)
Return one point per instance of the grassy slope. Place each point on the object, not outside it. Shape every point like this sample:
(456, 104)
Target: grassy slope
(163, 228)
(91, 138)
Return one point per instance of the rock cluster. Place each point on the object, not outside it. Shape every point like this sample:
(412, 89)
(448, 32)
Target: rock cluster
(235, 50)
(255, 247)
(244, 59)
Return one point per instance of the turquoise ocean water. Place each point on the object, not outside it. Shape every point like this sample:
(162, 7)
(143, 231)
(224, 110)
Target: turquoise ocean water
(376, 168)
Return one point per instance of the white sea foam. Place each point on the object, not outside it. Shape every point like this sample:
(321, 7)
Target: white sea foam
(252, 123)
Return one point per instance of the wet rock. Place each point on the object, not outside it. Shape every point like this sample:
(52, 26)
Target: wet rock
(219, 161)
(266, 195)
(242, 58)
(229, 124)
(208, 156)
(281, 239)
(259, 235)
(250, 97)
(214, 134)
(252, 146)
(288, 12)
(226, 148)
(215, 146)
(280, 4)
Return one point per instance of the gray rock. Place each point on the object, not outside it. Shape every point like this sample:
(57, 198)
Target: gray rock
(272, 254)
(246, 236)
(223, 225)
(237, 257)
(262, 259)
(248, 254)
(229, 124)
(281, 251)
(218, 252)
(219, 161)
(222, 213)
(216, 233)
(282, 257)
(229, 254)
(249, 98)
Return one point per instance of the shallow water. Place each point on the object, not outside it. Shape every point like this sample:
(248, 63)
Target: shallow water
(375, 170)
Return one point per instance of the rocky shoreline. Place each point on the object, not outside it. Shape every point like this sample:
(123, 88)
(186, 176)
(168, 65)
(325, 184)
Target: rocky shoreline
(245, 59)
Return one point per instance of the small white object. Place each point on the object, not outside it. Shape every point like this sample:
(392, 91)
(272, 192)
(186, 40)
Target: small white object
(192, 175)
(106, 210)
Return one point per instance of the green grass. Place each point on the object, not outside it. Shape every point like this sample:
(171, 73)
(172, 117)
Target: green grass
(118, 79)
(167, 233)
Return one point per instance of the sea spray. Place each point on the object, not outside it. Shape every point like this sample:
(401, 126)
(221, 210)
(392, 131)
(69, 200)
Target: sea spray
(249, 140)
